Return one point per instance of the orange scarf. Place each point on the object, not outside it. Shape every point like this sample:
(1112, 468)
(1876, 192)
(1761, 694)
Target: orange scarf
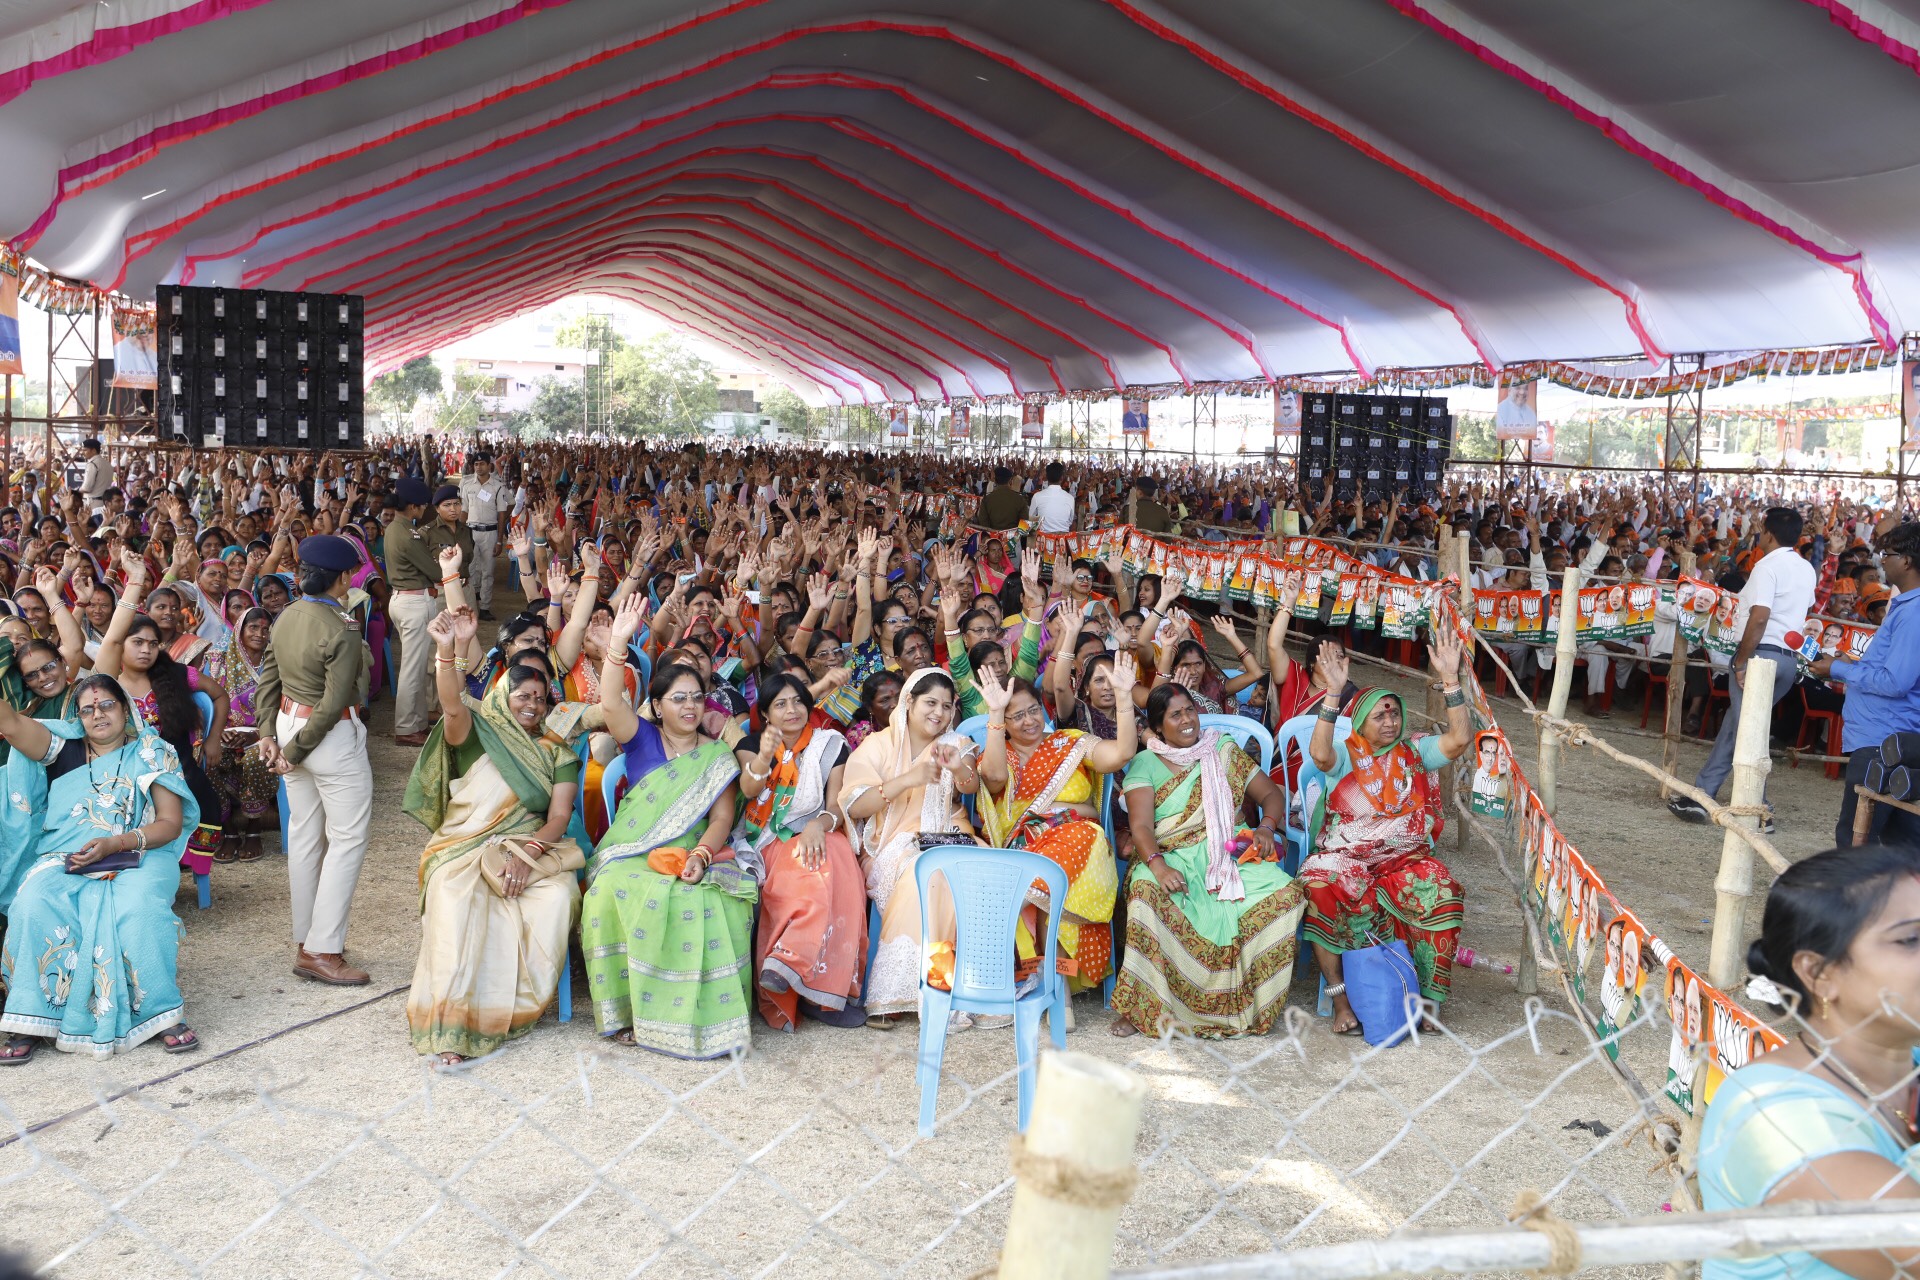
(784, 778)
(1393, 781)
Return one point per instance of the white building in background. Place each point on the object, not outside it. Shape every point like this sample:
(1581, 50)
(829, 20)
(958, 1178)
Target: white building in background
(516, 381)
(743, 394)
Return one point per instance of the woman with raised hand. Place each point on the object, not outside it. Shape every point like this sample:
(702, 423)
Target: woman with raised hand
(89, 864)
(1211, 917)
(497, 892)
(1372, 874)
(812, 940)
(905, 782)
(1039, 793)
(667, 923)
(1830, 1115)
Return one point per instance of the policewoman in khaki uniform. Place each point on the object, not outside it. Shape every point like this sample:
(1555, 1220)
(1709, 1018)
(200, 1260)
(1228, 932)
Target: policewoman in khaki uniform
(314, 680)
(413, 572)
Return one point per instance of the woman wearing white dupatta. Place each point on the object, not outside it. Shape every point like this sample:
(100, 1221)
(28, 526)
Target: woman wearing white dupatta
(902, 782)
(1211, 918)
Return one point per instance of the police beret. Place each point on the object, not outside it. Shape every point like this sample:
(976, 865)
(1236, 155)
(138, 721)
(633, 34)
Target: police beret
(328, 552)
(444, 492)
(410, 492)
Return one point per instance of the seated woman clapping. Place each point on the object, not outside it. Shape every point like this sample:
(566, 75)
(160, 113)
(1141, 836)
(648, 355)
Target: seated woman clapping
(1211, 917)
(497, 891)
(1372, 875)
(812, 940)
(667, 923)
(89, 863)
(1038, 793)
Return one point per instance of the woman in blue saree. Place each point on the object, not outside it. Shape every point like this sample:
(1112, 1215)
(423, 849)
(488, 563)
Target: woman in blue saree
(91, 957)
(667, 922)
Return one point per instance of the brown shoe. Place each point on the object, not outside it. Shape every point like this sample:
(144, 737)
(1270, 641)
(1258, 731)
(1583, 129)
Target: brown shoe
(331, 969)
(410, 739)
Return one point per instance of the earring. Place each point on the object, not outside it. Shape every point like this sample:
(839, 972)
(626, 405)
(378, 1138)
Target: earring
(1825, 1004)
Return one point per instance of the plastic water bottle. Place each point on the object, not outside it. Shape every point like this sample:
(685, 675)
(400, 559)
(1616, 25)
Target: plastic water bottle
(1468, 958)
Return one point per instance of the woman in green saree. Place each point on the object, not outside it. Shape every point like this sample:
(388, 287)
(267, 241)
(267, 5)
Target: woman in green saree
(1211, 917)
(497, 893)
(667, 925)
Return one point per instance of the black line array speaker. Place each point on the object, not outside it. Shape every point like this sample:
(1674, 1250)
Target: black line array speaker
(257, 369)
(1374, 446)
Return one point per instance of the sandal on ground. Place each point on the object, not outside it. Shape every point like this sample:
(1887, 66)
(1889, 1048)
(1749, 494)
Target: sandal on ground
(18, 1050)
(251, 848)
(883, 1021)
(1122, 1027)
(180, 1040)
(448, 1060)
(228, 850)
(624, 1036)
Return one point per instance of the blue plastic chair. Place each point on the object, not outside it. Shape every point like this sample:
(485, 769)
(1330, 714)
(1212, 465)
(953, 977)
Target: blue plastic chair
(203, 881)
(1294, 736)
(286, 818)
(1108, 785)
(1247, 732)
(974, 727)
(1245, 696)
(566, 988)
(988, 887)
(610, 780)
(642, 664)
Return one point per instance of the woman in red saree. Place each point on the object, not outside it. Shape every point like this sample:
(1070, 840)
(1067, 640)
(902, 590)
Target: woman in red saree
(994, 567)
(1038, 793)
(1372, 875)
(811, 943)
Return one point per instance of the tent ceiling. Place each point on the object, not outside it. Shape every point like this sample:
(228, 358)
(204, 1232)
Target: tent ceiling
(975, 197)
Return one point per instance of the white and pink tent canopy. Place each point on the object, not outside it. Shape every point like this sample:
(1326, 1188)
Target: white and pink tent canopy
(947, 198)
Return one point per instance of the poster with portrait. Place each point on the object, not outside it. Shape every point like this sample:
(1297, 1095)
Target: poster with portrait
(897, 421)
(135, 358)
(1516, 415)
(10, 315)
(1366, 602)
(1738, 1038)
(1531, 626)
(1240, 577)
(1686, 1014)
(1307, 581)
(1910, 404)
(1643, 599)
(1588, 893)
(1266, 582)
(1286, 413)
(1344, 594)
(1623, 981)
(1403, 608)
(1033, 420)
(1542, 448)
(960, 425)
(1492, 794)
(1134, 418)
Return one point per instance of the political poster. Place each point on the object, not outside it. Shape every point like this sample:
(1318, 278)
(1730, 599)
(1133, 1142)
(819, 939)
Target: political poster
(1134, 419)
(1516, 415)
(1033, 420)
(1286, 413)
(1492, 793)
(10, 318)
(960, 425)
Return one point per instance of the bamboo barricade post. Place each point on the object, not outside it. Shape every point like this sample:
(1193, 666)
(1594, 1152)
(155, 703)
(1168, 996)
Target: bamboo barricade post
(1073, 1170)
(1563, 656)
(1672, 731)
(1733, 887)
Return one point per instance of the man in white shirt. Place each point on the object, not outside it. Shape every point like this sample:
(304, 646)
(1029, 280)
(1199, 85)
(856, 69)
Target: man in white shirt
(1051, 509)
(96, 476)
(1776, 600)
(484, 496)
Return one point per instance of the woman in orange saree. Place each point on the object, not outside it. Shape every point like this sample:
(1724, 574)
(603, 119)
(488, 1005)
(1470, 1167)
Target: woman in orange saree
(1038, 793)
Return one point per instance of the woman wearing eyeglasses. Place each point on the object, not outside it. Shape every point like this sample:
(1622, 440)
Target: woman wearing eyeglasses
(667, 922)
(89, 864)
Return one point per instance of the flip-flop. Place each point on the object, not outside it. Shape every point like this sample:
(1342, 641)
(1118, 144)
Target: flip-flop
(19, 1060)
(229, 850)
(250, 849)
(179, 1040)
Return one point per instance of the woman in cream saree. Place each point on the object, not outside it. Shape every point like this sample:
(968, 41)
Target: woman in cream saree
(904, 782)
(497, 892)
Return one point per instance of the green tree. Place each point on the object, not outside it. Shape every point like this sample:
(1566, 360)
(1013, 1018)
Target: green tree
(462, 410)
(662, 388)
(396, 391)
(789, 412)
(589, 333)
(559, 406)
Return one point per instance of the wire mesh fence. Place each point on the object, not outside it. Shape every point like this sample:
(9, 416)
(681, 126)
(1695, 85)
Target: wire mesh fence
(620, 1163)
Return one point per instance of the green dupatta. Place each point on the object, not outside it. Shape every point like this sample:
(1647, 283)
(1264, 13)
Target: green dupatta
(664, 805)
(525, 763)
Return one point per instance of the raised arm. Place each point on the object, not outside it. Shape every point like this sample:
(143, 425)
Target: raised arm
(573, 636)
(73, 641)
(1445, 650)
(1115, 756)
(623, 721)
(457, 721)
(107, 662)
(1332, 666)
(1250, 672)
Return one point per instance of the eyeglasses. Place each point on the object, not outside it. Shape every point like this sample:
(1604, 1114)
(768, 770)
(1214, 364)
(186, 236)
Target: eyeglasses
(682, 699)
(1031, 713)
(89, 710)
(41, 673)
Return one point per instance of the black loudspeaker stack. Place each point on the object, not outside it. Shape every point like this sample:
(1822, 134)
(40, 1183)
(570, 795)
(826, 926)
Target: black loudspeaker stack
(1374, 446)
(251, 368)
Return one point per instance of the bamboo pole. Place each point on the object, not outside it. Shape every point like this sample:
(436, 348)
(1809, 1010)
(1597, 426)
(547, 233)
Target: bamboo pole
(1733, 887)
(1671, 731)
(1808, 1226)
(1086, 1113)
(1563, 657)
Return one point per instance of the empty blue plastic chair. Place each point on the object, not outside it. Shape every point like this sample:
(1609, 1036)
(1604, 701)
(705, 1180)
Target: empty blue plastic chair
(988, 888)
(202, 881)
(1249, 733)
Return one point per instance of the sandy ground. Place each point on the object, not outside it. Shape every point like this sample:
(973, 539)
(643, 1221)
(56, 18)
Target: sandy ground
(308, 1139)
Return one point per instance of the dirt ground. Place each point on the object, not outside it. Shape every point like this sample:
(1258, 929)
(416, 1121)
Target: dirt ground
(307, 1138)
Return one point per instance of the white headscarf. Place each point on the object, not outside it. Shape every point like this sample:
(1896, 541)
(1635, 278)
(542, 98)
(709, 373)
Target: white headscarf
(1216, 804)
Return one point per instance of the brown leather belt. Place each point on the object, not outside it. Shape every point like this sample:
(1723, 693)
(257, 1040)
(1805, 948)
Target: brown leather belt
(300, 711)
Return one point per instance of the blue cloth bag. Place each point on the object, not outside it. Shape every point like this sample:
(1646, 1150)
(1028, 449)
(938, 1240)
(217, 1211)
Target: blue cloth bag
(1383, 989)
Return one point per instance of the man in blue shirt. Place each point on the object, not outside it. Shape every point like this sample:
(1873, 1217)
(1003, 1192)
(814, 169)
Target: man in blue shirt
(1883, 688)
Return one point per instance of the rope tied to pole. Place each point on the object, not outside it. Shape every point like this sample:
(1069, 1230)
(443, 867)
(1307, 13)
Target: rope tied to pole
(1563, 1242)
(1068, 1181)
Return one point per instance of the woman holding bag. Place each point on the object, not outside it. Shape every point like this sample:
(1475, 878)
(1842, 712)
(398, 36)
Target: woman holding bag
(497, 892)
(1372, 875)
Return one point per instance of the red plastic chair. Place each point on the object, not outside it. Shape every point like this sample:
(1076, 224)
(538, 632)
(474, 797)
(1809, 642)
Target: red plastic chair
(1646, 703)
(1831, 724)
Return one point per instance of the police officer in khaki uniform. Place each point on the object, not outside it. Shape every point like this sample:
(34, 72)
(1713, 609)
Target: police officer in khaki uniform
(413, 573)
(450, 530)
(314, 680)
(486, 499)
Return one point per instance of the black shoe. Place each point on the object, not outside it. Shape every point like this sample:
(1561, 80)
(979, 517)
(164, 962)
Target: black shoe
(1766, 826)
(1687, 810)
(485, 615)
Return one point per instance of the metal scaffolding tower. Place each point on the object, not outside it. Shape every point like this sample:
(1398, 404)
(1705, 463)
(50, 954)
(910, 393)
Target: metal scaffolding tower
(597, 376)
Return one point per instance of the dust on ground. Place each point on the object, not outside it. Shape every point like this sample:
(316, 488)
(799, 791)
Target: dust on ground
(308, 1139)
